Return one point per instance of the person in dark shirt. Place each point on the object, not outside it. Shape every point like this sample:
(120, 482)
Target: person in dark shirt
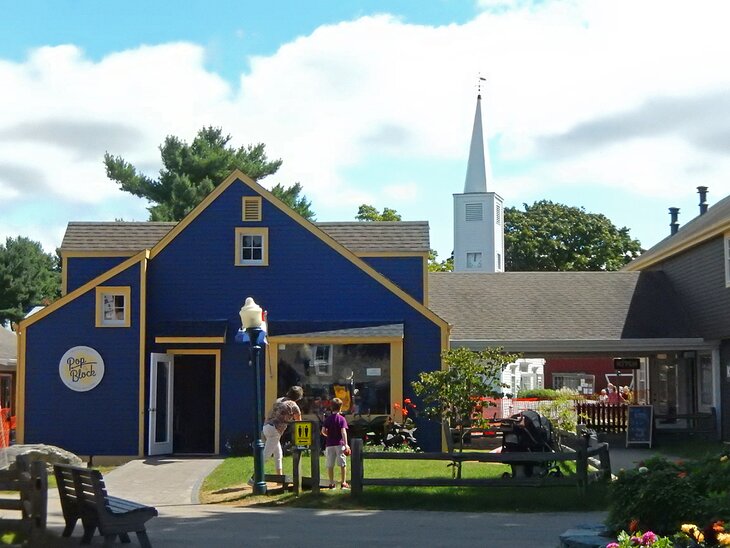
(337, 449)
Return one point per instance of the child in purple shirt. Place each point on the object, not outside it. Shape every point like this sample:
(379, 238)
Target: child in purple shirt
(337, 449)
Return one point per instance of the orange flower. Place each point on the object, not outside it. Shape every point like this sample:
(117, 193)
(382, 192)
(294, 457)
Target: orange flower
(633, 525)
(396, 406)
(682, 475)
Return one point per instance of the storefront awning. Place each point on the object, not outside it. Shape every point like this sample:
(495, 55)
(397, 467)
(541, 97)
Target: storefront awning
(324, 330)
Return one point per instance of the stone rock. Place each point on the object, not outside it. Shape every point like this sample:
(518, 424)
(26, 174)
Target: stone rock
(586, 536)
(50, 454)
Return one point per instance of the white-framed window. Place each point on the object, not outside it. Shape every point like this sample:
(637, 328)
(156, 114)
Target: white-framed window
(113, 306)
(474, 260)
(584, 383)
(473, 212)
(322, 359)
(252, 247)
(727, 259)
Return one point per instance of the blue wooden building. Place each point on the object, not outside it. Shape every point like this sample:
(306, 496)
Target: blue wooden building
(139, 355)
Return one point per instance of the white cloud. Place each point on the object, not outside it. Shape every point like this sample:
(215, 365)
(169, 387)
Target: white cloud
(355, 94)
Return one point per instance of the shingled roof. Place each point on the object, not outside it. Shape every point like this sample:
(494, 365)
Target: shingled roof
(403, 236)
(703, 227)
(359, 237)
(114, 236)
(567, 310)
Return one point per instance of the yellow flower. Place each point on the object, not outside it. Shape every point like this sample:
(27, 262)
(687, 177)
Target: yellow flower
(723, 539)
(723, 458)
(692, 530)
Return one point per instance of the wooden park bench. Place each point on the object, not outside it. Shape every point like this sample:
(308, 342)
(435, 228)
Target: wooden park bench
(83, 496)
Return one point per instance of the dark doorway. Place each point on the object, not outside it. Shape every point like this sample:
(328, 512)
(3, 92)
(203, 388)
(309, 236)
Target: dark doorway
(193, 428)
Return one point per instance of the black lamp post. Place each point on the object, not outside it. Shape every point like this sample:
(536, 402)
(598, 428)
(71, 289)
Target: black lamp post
(254, 333)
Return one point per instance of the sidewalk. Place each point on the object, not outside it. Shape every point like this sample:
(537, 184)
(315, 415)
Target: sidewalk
(171, 485)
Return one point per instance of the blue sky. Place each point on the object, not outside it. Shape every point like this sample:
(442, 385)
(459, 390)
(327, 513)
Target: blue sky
(619, 107)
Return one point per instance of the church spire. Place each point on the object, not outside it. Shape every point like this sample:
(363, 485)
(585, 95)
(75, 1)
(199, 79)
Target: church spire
(478, 168)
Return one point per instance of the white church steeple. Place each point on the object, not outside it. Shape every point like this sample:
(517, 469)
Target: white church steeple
(478, 214)
(478, 169)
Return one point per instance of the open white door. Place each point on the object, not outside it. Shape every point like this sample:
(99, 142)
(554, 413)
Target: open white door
(160, 409)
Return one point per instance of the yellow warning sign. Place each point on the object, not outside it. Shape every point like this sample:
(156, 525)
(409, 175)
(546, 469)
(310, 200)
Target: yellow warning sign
(303, 434)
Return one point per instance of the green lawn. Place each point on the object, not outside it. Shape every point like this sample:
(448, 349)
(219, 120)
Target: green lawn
(234, 471)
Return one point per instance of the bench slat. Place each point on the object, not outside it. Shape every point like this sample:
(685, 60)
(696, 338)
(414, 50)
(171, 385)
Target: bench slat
(85, 498)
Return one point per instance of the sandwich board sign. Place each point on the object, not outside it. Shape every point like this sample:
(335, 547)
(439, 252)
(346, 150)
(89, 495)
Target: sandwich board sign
(640, 425)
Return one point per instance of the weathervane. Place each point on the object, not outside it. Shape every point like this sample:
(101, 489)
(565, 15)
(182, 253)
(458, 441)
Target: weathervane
(479, 84)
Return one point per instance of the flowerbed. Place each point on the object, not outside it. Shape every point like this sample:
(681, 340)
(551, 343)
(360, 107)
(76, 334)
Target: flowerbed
(679, 504)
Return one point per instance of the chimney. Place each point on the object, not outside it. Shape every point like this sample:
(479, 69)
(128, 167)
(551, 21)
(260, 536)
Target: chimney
(702, 191)
(674, 225)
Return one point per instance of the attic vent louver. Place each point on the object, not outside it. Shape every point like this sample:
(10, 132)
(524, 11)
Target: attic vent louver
(474, 212)
(252, 208)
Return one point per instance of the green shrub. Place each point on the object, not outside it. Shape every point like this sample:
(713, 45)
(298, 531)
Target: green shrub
(661, 495)
(539, 393)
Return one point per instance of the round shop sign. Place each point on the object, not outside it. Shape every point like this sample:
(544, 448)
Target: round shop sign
(81, 368)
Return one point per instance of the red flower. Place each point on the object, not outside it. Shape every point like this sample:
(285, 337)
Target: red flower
(682, 475)
(407, 401)
(633, 525)
(396, 406)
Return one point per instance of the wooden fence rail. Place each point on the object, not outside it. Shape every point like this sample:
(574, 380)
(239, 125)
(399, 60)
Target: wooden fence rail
(603, 417)
(581, 456)
(28, 484)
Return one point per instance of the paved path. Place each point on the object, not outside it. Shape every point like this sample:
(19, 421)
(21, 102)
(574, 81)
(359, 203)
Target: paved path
(171, 485)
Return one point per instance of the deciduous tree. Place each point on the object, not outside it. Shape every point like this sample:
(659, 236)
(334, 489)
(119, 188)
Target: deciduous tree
(547, 236)
(369, 213)
(452, 395)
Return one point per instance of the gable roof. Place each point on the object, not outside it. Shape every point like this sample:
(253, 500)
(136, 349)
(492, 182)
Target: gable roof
(374, 236)
(713, 223)
(114, 235)
(131, 237)
(561, 311)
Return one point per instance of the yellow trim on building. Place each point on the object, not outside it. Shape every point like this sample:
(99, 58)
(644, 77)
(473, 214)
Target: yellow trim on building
(251, 209)
(324, 339)
(272, 359)
(679, 247)
(98, 253)
(126, 292)
(190, 340)
(141, 407)
(217, 404)
(88, 286)
(20, 389)
(391, 254)
(237, 175)
(262, 231)
(26, 323)
(396, 378)
(64, 275)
